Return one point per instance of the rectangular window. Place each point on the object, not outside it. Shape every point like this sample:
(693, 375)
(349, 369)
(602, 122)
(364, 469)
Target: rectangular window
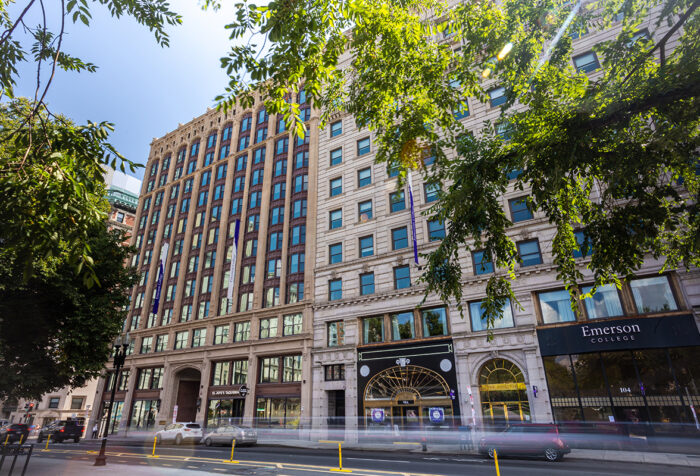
(301, 159)
(336, 156)
(275, 241)
(220, 374)
(529, 252)
(277, 216)
(199, 337)
(364, 177)
(482, 262)
(268, 328)
(336, 128)
(519, 209)
(335, 253)
(334, 372)
(364, 210)
(245, 302)
(292, 324)
(497, 96)
(146, 345)
(335, 219)
(280, 168)
(298, 235)
(402, 277)
(296, 263)
(245, 123)
(292, 369)
(403, 326)
(241, 162)
(259, 155)
(584, 248)
(366, 246)
(181, 339)
(221, 334)
(251, 248)
(241, 331)
(238, 184)
(397, 201)
(260, 134)
(586, 62)
(282, 146)
(240, 372)
(272, 297)
(479, 320)
(336, 186)
(653, 295)
(399, 238)
(274, 268)
(366, 284)
(255, 199)
(243, 142)
(335, 289)
(434, 322)
(336, 333)
(372, 330)
(253, 223)
(556, 307)
(262, 116)
(299, 208)
(301, 183)
(236, 206)
(295, 292)
(278, 191)
(604, 303)
(225, 150)
(161, 343)
(436, 230)
(363, 146)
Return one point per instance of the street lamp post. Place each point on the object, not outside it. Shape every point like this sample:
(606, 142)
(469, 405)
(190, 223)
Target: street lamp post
(119, 357)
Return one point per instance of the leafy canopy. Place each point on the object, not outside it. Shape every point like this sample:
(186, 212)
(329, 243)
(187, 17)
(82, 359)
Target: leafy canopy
(613, 153)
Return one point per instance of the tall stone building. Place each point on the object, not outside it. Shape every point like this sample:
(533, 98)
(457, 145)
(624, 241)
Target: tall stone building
(207, 355)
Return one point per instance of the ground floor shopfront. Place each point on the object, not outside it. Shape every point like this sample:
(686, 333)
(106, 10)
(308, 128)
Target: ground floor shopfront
(634, 370)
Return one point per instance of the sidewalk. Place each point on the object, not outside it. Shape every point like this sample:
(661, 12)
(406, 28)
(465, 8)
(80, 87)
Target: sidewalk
(69, 467)
(673, 459)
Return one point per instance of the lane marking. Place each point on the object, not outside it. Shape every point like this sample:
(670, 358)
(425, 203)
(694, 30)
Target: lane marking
(383, 460)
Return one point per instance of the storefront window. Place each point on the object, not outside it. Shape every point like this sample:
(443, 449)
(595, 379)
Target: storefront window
(278, 412)
(562, 388)
(556, 307)
(479, 321)
(113, 425)
(434, 322)
(402, 326)
(221, 373)
(240, 372)
(604, 303)
(143, 414)
(269, 369)
(373, 330)
(292, 369)
(225, 412)
(653, 295)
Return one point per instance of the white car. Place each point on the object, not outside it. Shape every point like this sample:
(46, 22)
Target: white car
(178, 433)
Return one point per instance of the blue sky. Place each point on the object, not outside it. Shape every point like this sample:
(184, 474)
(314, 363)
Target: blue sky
(145, 90)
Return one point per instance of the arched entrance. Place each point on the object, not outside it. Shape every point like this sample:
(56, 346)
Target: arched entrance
(403, 396)
(187, 383)
(503, 393)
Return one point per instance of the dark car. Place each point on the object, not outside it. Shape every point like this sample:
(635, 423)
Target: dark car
(14, 432)
(526, 440)
(61, 430)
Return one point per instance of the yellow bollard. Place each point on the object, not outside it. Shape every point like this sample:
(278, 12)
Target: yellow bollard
(153, 454)
(340, 462)
(7, 439)
(233, 447)
(47, 442)
(495, 459)
(21, 437)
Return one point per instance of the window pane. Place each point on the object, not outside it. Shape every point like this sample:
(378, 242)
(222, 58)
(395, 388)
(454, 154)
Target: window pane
(373, 330)
(367, 283)
(529, 253)
(366, 246)
(556, 307)
(399, 238)
(402, 326)
(479, 321)
(482, 263)
(434, 322)
(653, 295)
(604, 303)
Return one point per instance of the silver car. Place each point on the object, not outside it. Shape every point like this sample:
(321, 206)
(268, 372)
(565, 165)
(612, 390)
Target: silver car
(224, 435)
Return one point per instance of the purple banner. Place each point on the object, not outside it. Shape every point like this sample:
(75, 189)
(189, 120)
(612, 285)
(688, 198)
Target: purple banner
(161, 272)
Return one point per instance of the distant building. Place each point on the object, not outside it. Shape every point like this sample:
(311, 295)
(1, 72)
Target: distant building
(123, 194)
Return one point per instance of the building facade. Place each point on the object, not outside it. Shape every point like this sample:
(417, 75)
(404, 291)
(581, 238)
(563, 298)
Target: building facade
(383, 357)
(209, 354)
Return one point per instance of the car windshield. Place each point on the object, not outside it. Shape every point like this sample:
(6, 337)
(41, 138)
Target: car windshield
(193, 425)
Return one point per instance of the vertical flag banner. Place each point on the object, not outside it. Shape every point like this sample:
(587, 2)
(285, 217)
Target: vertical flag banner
(232, 269)
(161, 272)
(413, 217)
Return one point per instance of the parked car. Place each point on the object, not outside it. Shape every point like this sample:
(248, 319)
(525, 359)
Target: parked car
(14, 432)
(61, 430)
(224, 435)
(180, 433)
(526, 440)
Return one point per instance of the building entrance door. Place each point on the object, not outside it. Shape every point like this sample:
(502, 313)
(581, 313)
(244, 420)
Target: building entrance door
(410, 418)
(503, 393)
(503, 412)
(187, 382)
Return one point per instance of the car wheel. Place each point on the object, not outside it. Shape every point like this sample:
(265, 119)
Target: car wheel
(552, 454)
(207, 442)
(178, 440)
(491, 451)
(76, 439)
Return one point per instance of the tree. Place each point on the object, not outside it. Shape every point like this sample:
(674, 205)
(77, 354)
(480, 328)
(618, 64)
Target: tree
(54, 331)
(50, 168)
(613, 154)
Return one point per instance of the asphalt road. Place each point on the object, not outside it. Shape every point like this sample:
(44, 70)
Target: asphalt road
(283, 461)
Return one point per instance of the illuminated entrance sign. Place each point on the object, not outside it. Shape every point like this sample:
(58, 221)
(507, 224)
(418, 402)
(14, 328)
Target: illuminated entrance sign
(378, 415)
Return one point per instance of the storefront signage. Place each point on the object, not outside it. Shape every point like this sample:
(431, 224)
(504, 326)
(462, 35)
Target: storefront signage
(226, 393)
(653, 332)
(378, 415)
(243, 390)
(437, 415)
